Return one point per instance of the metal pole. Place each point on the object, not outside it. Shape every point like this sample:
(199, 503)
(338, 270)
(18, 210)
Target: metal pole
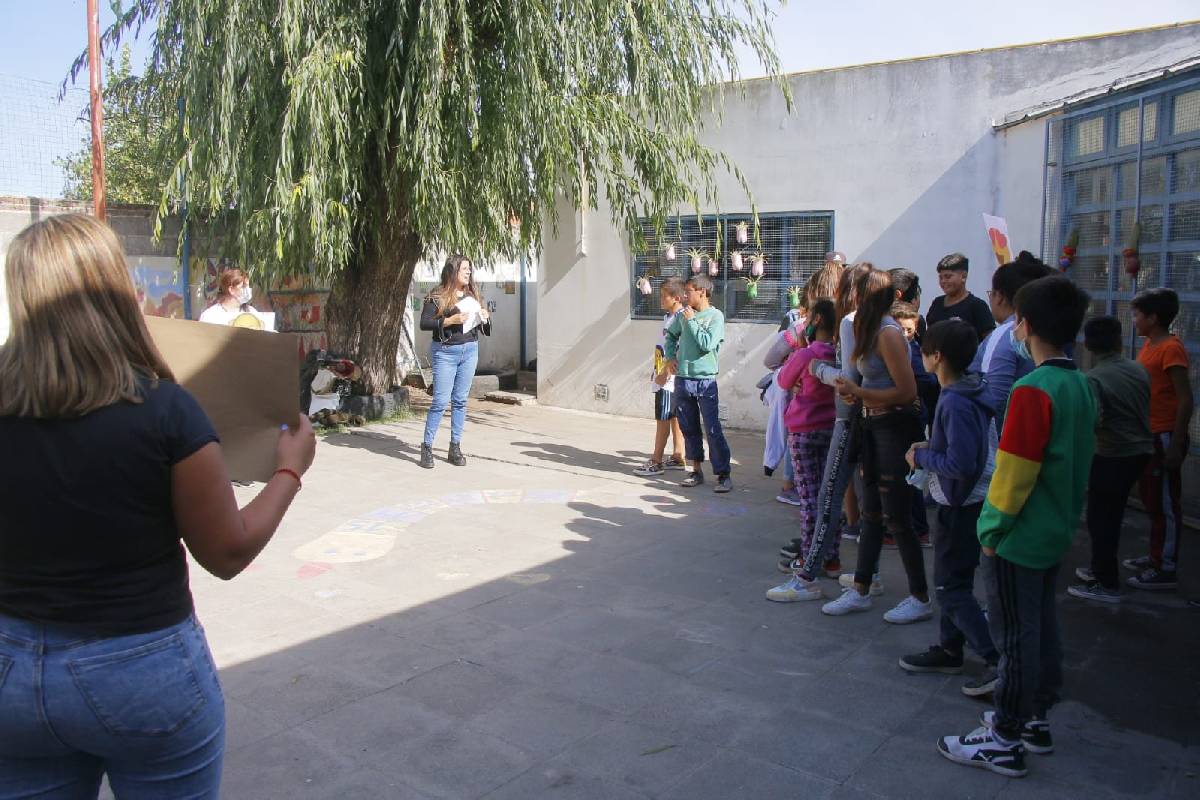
(93, 27)
(521, 266)
(1052, 258)
(185, 249)
(1137, 217)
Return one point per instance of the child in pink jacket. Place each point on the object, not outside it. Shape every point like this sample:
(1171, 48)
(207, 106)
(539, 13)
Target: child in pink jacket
(810, 415)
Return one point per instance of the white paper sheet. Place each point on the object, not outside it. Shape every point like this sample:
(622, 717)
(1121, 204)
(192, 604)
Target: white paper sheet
(470, 307)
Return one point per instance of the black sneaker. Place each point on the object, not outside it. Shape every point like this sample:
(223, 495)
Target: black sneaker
(935, 659)
(791, 549)
(983, 685)
(788, 565)
(426, 456)
(981, 748)
(724, 485)
(694, 478)
(1035, 734)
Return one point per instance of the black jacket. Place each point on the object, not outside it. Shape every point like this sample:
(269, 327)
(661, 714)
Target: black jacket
(432, 321)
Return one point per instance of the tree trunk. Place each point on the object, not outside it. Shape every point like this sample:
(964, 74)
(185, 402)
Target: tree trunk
(365, 311)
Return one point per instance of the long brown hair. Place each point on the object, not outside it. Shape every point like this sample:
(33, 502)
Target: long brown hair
(875, 297)
(78, 341)
(845, 301)
(446, 295)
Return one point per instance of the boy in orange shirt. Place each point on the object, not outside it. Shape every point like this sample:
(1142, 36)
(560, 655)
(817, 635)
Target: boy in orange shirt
(1166, 360)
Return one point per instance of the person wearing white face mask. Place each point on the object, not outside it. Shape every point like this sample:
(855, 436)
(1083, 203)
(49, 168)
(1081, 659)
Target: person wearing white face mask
(233, 298)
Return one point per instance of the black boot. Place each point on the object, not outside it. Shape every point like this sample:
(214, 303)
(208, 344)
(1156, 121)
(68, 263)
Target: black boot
(426, 456)
(454, 455)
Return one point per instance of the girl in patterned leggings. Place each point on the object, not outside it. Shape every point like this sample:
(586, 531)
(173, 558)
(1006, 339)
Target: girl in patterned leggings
(809, 417)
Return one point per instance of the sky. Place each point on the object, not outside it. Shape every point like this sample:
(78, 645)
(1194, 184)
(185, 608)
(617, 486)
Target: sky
(40, 38)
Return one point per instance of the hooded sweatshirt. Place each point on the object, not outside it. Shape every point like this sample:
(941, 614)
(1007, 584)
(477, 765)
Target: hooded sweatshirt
(811, 408)
(1001, 365)
(959, 444)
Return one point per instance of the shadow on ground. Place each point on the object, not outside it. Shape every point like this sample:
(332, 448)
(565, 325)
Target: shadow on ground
(630, 654)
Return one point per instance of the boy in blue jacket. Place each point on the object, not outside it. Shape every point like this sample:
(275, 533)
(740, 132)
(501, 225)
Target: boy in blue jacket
(959, 457)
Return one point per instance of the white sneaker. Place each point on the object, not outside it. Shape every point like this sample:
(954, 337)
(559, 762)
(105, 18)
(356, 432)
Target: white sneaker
(1085, 574)
(850, 602)
(982, 748)
(909, 610)
(847, 581)
(794, 591)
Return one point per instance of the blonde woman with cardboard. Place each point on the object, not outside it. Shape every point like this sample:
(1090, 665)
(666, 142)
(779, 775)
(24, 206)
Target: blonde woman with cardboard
(104, 668)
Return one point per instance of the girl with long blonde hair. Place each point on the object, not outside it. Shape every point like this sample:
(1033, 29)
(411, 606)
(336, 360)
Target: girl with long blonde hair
(111, 469)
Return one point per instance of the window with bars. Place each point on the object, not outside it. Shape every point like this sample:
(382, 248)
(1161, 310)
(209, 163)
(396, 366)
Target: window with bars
(792, 246)
(1101, 181)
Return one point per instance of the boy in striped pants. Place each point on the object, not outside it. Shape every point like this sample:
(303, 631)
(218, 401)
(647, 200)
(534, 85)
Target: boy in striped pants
(1026, 527)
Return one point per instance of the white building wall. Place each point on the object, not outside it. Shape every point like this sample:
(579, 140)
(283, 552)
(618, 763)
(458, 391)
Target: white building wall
(905, 155)
(501, 351)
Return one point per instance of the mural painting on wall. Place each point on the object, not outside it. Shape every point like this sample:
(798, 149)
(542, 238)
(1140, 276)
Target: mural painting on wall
(300, 308)
(159, 287)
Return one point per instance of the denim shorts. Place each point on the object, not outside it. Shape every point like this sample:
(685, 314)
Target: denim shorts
(146, 709)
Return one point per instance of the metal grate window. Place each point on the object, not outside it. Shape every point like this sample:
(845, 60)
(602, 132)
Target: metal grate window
(1187, 113)
(1127, 125)
(1089, 136)
(1098, 188)
(792, 246)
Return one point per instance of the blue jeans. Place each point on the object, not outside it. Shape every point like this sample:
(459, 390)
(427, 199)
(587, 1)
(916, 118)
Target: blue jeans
(453, 371)
(145, 708)
(696, 402)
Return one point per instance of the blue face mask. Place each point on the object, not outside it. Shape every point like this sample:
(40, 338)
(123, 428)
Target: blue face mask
(1018, 346)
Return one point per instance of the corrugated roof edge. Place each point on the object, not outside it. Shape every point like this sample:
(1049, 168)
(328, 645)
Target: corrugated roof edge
(1120, 84)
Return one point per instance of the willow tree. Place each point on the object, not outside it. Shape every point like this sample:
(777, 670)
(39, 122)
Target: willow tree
(348, 139)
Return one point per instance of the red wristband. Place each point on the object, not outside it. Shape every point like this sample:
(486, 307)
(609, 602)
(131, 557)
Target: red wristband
(293, 473)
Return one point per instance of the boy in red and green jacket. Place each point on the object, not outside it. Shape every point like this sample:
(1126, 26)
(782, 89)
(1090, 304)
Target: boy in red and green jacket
(1027, 524)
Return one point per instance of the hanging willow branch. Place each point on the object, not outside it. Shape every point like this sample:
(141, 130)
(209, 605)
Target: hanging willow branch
(471, 117)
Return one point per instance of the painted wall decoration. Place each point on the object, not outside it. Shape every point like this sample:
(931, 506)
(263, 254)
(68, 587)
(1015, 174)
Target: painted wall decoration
(300, 308)
(159, 286)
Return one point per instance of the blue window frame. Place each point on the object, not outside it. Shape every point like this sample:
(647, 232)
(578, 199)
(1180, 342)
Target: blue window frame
(1107, 180)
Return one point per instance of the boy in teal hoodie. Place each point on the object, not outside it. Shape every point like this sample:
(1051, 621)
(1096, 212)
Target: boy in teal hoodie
(1027, 524)
(693, 342)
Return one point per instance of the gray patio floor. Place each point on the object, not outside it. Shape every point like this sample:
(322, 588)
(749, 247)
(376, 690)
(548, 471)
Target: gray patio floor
(542, 623)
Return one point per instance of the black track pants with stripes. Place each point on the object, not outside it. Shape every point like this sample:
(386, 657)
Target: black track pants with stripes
(1024, 625)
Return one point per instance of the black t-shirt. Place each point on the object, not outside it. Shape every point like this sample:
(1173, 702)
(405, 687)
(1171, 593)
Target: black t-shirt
(87, 530)
(970, 309)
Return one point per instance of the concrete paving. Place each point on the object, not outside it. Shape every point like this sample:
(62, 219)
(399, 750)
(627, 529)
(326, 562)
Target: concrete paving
(542, 623)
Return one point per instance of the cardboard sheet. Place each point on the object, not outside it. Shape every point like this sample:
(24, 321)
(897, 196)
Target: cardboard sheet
(246, 381)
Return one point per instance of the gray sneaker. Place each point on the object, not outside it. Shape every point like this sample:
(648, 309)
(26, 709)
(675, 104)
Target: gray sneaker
(650, 469)
(983, 685)
(723, 484)
(1092, 590)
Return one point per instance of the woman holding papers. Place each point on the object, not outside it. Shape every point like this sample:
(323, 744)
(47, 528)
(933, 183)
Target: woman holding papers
(110, 469)
(454, 313)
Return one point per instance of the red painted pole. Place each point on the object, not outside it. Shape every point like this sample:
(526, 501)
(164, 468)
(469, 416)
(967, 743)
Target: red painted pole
(93, 23)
